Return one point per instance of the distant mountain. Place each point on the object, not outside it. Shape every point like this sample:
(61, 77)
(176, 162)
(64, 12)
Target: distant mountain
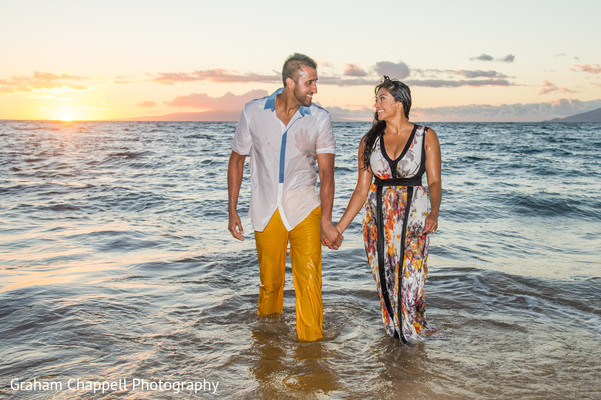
(192, 116)
(590, 116)
(338, 115)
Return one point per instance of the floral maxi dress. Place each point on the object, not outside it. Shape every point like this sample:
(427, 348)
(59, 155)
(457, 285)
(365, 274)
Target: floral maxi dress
(395, 212)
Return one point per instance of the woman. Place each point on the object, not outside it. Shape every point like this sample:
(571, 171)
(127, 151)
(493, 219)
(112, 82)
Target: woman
(396, 220)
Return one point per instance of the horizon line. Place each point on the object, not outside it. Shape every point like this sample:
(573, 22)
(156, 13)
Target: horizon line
(556, 120)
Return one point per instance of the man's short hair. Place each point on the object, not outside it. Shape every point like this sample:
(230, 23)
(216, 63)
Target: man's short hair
(293, 64)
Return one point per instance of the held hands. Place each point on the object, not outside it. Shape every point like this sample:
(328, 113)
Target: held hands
(235, 226)
(330, 236)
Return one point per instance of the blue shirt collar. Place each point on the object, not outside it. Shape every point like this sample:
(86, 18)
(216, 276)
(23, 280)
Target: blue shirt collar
(270, 103)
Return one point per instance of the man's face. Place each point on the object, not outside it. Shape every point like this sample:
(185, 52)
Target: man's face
(305, 85)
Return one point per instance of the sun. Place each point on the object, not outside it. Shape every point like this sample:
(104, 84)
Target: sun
(66, 117)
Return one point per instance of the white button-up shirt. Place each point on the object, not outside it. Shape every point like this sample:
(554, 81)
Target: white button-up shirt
(282, 159)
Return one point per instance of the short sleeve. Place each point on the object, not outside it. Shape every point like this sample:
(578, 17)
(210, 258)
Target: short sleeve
(326, 143)
(242, 138)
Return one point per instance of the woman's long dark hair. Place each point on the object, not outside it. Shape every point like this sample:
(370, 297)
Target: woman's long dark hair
(400, 92)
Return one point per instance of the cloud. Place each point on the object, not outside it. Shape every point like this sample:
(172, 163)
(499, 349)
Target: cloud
(398, 70)
(576, 58)
(47, 76)
(483, 57)
(124, 80)
(148, 104)
(228, 101)
(509, 58)
(440, 83)
(353, 75)
(478, 74)
(44, 81)
(549, 87)
(214, 75)
(338, 81)
(346, 114)
(354, 70)
(432, 83)
(531, 111)
(495, 78)
(592, 69)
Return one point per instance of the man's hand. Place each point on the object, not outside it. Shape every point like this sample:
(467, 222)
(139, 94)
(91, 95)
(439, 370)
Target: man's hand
(235, 226)
(234, 180)
(330, 236)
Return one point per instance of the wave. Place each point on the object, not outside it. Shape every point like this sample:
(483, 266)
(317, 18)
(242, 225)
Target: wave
(129, 155)
(547, 204)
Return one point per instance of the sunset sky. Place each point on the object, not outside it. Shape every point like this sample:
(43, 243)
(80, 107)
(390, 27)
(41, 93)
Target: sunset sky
(464, 60)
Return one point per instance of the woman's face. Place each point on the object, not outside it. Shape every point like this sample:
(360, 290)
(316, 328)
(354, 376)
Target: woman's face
(386, 106)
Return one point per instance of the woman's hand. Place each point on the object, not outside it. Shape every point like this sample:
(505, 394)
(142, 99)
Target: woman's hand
(431, 223)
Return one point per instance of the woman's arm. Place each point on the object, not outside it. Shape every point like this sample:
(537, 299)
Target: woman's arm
(329, 235)
(433, 163)
(358, 197)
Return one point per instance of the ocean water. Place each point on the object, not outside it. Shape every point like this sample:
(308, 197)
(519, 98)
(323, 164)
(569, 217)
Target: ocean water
(119, 279)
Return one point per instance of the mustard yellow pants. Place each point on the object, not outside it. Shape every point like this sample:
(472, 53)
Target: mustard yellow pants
(305, 258)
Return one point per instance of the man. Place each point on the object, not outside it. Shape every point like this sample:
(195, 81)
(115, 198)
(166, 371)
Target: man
(285, 134)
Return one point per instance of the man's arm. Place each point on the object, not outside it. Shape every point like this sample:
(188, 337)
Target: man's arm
(329, 234)
(235, 171)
